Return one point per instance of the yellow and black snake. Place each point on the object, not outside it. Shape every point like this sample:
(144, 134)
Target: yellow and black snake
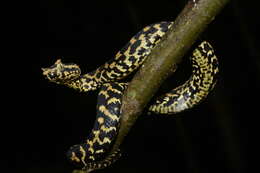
(90, 153)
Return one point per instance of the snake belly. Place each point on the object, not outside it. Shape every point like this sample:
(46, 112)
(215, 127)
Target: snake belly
(91, 153)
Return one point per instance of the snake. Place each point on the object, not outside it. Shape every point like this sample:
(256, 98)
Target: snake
(91, 154)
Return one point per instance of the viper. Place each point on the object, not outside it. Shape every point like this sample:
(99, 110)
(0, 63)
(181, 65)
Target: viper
(90, 154)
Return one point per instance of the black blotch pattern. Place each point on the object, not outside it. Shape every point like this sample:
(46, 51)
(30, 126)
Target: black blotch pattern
(165, 26)
(132, 59)
(156, 38)
(150, 31)
(141, 51)
(134, 46)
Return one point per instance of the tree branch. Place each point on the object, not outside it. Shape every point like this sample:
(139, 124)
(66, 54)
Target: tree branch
(192, 21)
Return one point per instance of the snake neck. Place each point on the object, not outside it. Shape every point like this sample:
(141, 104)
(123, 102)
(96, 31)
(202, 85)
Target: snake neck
(84, 83)
(90, 81)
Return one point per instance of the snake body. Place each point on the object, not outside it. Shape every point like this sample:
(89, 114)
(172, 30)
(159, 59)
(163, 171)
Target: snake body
(90, 153)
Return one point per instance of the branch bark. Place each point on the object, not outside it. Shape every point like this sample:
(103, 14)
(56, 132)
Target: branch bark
(192, 21)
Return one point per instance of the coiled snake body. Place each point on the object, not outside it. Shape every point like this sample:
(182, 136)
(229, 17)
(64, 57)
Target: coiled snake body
(89, 154)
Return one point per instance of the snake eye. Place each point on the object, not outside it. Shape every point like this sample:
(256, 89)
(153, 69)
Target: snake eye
(52, 76)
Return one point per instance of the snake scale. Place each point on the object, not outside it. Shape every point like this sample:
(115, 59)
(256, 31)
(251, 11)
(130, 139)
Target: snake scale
(91, 152)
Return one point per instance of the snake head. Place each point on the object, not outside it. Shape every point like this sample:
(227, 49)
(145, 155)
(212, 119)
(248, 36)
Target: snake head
(61, 73)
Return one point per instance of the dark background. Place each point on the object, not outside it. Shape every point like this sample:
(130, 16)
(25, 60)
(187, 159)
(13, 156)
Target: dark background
(212, 137)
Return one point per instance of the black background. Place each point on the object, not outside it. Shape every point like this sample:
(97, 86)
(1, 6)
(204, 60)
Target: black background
(212, 137)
